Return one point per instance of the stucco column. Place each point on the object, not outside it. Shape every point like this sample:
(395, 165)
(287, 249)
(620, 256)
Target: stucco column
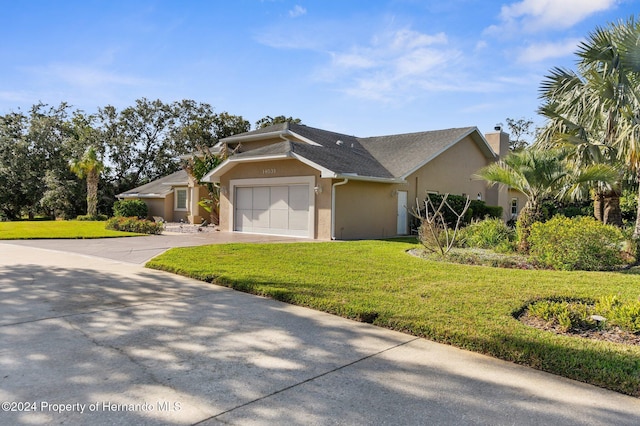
(194, 208)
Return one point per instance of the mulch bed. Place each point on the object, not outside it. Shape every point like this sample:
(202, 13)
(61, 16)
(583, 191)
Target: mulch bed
(613, 334)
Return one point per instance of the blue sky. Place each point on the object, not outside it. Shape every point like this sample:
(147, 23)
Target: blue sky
(362, 67)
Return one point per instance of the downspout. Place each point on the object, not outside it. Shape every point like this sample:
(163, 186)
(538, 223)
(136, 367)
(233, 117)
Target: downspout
(333, 207)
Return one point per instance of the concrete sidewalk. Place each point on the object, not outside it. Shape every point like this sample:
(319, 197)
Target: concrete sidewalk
(94, 341)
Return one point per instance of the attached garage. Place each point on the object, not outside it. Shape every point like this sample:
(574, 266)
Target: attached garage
(279, 206)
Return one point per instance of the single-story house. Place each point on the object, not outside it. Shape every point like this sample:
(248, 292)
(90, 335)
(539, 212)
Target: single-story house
(296, 180)
(174, 198)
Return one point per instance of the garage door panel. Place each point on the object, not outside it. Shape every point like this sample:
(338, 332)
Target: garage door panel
(280, 219)
(244, 219)
(261, 198)
(280, 197)
(299, 197)
(261, 218)
(244, 199)
(298, 220)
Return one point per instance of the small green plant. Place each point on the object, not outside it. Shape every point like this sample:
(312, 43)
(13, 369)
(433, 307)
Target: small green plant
(489, 234)
(579, 243)
(130, 208)
(133, 224)
(567, 315)
(570, 314)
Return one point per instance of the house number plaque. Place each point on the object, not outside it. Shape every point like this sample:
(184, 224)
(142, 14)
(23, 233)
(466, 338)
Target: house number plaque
(268, 171)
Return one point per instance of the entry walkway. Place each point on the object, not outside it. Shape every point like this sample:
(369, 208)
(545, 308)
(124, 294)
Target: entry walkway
(85, 340)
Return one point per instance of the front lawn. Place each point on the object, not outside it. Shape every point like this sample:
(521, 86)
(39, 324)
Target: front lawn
(471, 307)
(27, 230)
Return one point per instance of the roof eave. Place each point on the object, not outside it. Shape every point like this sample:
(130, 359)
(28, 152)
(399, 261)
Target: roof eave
(214, 175)
(141, 195)
(377, 179)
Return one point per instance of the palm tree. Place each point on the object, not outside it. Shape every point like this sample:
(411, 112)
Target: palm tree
(541, 175)
(89, 167)
(577, 122)
(611, 57)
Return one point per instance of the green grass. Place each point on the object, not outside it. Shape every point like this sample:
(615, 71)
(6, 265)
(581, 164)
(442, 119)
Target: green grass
(27, 230)
(471, 307)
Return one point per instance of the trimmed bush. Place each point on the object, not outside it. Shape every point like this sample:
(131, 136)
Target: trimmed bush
(489, 234)
(130, 208)
(579, 243)
(86, 217)
(133, 224)
(478, 209)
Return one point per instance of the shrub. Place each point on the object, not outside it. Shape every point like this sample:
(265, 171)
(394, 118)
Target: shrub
(130, 208)
(579, 243)
(478, 209)
(489, 234)
(86, 217)
(133, 224)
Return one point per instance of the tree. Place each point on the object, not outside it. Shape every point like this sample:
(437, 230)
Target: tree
(14, 161)
(29, 146)
(604, 99)
(89, 167)
(518, 129)
(540, 175)
(270, 121)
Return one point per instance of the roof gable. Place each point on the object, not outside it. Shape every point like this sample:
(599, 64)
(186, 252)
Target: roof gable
(405, 153)
(158, 188)
(386, 158)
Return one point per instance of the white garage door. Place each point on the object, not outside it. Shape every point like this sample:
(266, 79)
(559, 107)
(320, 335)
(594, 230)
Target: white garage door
(282, 209)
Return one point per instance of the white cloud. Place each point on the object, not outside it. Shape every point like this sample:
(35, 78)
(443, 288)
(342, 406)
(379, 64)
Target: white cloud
(538, 15)
(394, 65)
(297, 11)
(538, 52)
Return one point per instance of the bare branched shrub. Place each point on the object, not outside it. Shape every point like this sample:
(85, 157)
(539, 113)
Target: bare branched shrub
(434, 233)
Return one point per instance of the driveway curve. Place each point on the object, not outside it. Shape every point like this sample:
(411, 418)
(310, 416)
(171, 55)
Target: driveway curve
(89, 340)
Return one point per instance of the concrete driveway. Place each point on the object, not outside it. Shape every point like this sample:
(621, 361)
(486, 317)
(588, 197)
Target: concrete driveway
(88, 340)
(141, 249)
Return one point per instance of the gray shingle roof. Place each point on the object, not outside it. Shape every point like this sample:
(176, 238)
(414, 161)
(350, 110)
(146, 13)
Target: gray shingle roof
(158, 188)
(384, 157)
(402, 154)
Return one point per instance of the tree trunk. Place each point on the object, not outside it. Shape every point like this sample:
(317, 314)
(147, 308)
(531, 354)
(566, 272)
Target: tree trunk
(528, 216)
(92, 194)
(636, 231)
(612, 215)
(598, 206)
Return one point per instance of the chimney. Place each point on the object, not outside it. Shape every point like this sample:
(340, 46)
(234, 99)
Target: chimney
(498, 141)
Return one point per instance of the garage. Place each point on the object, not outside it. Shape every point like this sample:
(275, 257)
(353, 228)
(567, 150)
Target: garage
(282, 209)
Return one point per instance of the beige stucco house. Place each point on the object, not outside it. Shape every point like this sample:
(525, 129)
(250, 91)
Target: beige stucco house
(174, 198)
(291, 179)
(295, 180)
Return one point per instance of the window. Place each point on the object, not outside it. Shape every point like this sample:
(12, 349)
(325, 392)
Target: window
(180, 195)
(514, 207)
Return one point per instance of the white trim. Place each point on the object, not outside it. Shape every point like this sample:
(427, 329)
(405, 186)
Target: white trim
(175, 199)
(289, 180)
(302, 138)
(324, 172)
